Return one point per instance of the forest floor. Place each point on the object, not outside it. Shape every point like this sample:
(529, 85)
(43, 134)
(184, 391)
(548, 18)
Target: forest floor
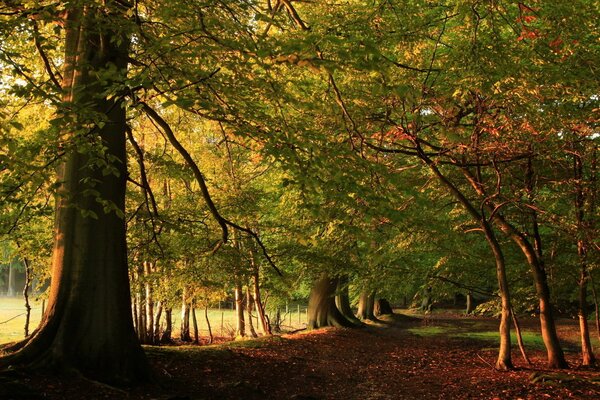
(441, 357)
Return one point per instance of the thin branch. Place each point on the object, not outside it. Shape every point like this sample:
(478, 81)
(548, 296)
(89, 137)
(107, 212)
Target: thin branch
(44, 56)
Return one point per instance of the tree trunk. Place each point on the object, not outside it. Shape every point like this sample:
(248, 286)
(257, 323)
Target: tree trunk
(503, 361)
(342, 301)
(587, 354)
(184, 331)
(366, 306)
(156, 330)
(88, 325)
(249, 307)
(166, 334)
(195, 324)
(258, 304)
(555, 355)
(383, 307)
(26, 288)
(240, 330)
(470, 304)
(149, 339)
(322, 311)
(210, 335)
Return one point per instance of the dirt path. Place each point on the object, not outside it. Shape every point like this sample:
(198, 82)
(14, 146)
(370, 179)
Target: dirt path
(370, 363)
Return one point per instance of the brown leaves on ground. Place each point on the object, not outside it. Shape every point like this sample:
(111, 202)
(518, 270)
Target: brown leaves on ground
(369, 363)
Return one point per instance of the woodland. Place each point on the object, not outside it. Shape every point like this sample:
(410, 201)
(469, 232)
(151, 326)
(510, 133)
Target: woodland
(160, 157)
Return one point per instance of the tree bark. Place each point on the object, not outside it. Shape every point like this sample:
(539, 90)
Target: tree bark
(322, 311)
(88, 324)
(149, 295)
(184, 330)
(555, 355)
(470, 304)
(382, 307)
(504, 360)
(210, 335)
(342, 301)
(240, 330)
(249, 307)
(366, 306)
(258, 304)
(166, 334)
(195, 324)
(587, 354)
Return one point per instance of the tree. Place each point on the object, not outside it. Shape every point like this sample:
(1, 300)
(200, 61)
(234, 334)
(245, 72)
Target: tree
(88, 324)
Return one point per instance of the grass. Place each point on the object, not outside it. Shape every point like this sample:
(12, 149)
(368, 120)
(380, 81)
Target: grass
(530, 339)
(12, 318)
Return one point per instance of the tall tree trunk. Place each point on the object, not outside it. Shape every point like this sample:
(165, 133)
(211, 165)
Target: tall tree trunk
(166, 334)
(210, 335)
(184, 330)
(555, 355)
(240, 330)
(26, 288)
(504, 360)
(148, 267)
(88, 325)
(156, 330)
(342, 300)
(195, 324)
(587, 354)
(258, 304)
(249, 307)
(322, 311)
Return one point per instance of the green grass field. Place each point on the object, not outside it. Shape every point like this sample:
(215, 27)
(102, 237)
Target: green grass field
(12, 320)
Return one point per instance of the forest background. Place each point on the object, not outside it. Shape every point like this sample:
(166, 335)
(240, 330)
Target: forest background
(157, 153)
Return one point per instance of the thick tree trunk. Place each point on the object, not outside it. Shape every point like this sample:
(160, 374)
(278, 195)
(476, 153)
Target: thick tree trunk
(166, 334)
(322, 311)
(240, 329)
(382, 307)
(366, 306)
(88, 325)
(342, 301)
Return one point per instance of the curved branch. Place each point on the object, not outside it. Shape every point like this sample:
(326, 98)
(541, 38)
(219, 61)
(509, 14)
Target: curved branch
(223, 222)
